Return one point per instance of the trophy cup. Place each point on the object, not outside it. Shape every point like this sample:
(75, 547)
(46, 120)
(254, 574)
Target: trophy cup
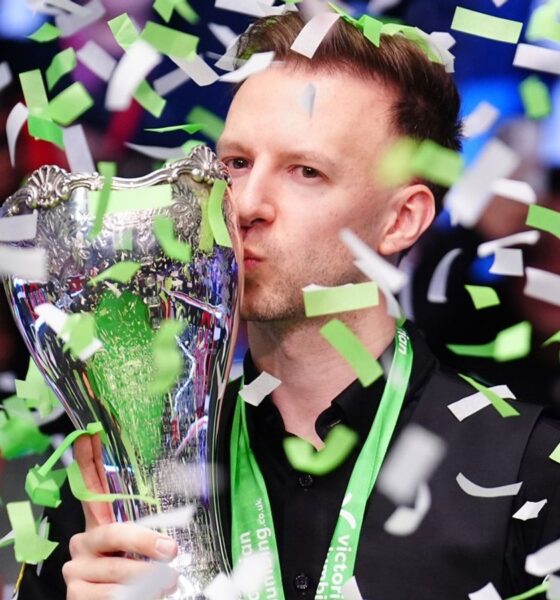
(152, 436)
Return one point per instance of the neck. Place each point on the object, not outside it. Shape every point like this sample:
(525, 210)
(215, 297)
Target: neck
(312, 372)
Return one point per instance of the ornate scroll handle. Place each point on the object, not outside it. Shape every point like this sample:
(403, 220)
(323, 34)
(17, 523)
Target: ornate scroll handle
(50, 185)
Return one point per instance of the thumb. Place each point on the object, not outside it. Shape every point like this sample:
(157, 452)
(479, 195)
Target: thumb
(87, 453)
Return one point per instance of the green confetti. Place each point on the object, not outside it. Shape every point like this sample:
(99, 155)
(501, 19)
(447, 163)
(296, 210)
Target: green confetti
(415, 35)
(486, 26)
(108, 170)
(62, 64)
(510, 344)
(552, 339)
(124, 240)
(168, 360)
(216, 215)
(543, 24)
(190, 145)
(123, 201)
(504, 408)
(205, 236)
(124, 31)
(371, 28)
(366, 367)
(482, 296)
(29, 547)
(165, 9)
(340, 299)
(555, 454)
(544, 219)
(169, 41)
(149, 99)
(36, 392)
(19, 433)
(122, 272)
(46, 33)
(70, 104)
(395, 166)
(171, 246)
(45, 129)
(44, 490)
(536, 98)
(212, 125)
(535, 591)
(188, 127)
(80, 329)
(339, 443)
(437, 164)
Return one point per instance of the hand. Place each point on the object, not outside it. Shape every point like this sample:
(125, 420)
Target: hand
(98, 566)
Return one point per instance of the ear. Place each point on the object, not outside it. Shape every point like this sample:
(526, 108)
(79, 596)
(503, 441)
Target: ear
(411, 211)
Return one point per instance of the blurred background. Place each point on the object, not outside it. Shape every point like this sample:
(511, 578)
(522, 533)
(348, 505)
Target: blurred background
(484, 73)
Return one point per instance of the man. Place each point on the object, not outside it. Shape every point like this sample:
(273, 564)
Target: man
(298, 179)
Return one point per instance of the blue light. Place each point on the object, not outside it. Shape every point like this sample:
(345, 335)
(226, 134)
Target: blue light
(16, 19)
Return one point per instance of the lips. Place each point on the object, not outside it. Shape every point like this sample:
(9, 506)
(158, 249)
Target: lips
(249, 255)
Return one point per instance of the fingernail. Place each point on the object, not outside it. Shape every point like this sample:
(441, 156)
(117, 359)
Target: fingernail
(166, 548)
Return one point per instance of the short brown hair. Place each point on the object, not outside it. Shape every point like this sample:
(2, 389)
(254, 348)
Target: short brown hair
(427, 105)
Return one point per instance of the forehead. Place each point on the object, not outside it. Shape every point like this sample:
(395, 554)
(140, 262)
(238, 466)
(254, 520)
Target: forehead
(273, 108)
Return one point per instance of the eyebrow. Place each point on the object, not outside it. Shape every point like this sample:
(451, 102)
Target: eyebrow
(300, 156)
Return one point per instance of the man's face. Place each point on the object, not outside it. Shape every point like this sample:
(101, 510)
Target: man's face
(298, 179)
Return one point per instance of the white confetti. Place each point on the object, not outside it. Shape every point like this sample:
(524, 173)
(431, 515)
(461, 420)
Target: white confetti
(71, 23)
(77, 150)
(520, 191)
(56, 319)
(253, 8)
(224, 34)
(132, 69)
(148, 586)
(258, 62)
(443, 39)
(170, 81)
(371, 264)
(480, 119)
(544, 561)
(542, 285)
(247, 579)
(14, 123)
(488, 592)
(351, 591)
(177, 518)
(437, 290)
(5, 75)
(530, 510)
(406, 520)
(537, 58)
(469, 405)
(257, 390)
(56, 7)
(413, 459)
(468, 198)
(553, 592)
(221, 588)
(473, 489)
(524, 237)
(158, 152)
(307, 99)
(313, 33)
(201, 73)
(97, 60)
(18, 227)
(508, 261)
(499, 3)
(378, 6)
(25, 263)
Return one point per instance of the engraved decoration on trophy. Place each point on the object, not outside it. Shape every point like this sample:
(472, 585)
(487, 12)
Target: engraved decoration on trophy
(153, 437)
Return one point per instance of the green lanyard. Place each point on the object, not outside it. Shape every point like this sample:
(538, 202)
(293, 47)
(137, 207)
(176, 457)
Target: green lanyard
(252, 522)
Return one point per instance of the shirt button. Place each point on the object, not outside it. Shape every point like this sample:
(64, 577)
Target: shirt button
(305, 480)
(301, 583)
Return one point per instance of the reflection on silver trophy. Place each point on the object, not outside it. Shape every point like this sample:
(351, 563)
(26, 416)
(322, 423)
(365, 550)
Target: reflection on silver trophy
(153, 436)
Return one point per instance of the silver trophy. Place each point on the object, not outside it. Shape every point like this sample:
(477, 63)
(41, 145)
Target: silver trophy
(158, 444)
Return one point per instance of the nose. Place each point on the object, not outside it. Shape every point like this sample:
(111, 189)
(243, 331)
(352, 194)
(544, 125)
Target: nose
(254, 196)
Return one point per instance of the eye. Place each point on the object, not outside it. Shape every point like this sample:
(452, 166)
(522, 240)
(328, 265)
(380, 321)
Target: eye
(236, 163)
(309, 172)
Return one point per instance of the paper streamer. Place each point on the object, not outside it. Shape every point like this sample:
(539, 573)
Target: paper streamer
(480, 120)
(537, 58)
(97, 60)
(177, 518)
(5, 75)
(494, 397)
(196, 69)
(469, 405)
(158, 152)
(122, 272)
(259, 61)
(524, 237)
(170, 81)
(123, 201)
(437, 290)
(253, 8)
(473, 489)
(159, 578)
(77, 150)
(544, 219)
(487, 26)
(124, 31)
(16, 119)
(482, 296)
(507, 261)
(70, 104)
(62, 64)
(544, 561)
(542, 285)
(328, 300)
(76, 20)
(339, 443)
(313, 33)
(256, 391)
(18, 227)
(351, 591)
(307, 99)
(530, 510)
(108, 170)
(405, 520)
(164, 230)
(414, 457)
(536, 98)
(488, 592)
(213, 125)
(224, 34)
(168, 360)
(168, 41)
(215, 213)
(29, 264)
(520, 191)
(46, 33)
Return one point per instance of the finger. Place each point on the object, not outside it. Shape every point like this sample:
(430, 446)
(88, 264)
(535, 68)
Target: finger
(123, 537)
(80, 590)
(104, 569)
(87, 453)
